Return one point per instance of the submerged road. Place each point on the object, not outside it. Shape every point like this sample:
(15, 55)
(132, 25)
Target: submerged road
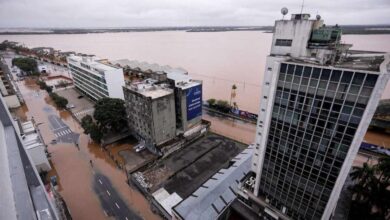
(111, 202)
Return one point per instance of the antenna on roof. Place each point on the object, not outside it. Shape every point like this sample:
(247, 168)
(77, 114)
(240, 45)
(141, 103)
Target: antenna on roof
(303, 3)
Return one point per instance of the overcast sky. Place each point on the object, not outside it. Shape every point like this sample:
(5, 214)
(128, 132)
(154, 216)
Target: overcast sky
(141, 13)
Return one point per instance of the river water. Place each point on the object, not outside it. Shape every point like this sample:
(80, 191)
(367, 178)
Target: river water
(220, 59)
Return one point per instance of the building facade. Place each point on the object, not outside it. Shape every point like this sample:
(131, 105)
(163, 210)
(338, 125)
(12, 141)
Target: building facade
(317, 101)
(23, 195)
(151, 112)
(96, 78)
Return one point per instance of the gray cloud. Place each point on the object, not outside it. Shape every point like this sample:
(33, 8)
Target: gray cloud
(132, 13)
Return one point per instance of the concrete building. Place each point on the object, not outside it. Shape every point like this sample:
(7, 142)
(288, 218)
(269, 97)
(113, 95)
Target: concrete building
(23, 195)
(318, 98)
(7, 88)
(184, 92)
(34, 146)
(188, 102)
(96, 78)
(151, 111)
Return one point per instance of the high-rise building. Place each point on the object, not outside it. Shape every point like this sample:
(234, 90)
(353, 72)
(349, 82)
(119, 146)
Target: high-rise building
(23, 195)
(318, 98)
(96, 78)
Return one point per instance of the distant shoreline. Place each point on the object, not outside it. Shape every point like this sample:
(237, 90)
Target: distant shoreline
(347, 29)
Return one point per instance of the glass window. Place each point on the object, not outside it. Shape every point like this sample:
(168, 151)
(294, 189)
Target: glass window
(347, 77)
(307, 71)
(358, 78)
(283, 68)
(336, 75)
(290, 69)
(316, 73)
(325, 74)
(298, 70)
(370, 80)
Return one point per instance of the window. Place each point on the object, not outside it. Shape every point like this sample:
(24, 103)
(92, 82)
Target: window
(283, 42)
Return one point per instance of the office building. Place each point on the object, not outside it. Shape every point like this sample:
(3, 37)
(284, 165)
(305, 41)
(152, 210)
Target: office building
(96, 78)
(318, 98)
(23, 195)
(188, 101)
(152, 83)
(151, 112)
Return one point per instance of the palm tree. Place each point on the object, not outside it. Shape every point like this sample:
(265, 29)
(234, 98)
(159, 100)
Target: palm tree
(372, 190)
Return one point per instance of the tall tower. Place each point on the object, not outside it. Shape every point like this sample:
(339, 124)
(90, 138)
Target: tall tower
(318, 99)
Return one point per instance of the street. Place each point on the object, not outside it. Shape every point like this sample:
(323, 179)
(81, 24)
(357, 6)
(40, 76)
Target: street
(112, 204)
(77, 179)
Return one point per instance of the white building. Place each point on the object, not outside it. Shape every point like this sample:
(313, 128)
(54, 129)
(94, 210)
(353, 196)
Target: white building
(34, 146)
(318, 99)
(96, 78)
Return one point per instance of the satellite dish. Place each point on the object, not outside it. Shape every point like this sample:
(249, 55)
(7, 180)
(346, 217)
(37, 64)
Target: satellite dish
(318, 17)
(284, 11)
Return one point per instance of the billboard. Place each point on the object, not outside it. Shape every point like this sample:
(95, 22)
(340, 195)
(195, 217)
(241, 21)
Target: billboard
(194, 102)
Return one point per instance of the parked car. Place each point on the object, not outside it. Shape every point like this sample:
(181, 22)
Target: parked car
(70, 106)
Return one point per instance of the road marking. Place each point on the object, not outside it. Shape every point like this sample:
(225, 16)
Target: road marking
(105, 212)
(108, 193)
(100, 181)
(127, 218)
(117, 205)
(60, 128)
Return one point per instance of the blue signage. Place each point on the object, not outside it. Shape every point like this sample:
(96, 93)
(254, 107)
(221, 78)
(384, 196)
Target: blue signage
(194, 102)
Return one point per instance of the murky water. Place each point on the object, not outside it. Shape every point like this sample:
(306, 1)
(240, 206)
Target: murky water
(220, 59)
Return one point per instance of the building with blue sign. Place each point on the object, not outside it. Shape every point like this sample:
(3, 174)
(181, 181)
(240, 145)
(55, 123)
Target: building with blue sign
(188, 102)
(159, 110)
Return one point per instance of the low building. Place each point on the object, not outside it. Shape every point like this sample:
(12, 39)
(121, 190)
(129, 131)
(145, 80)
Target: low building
(95, 77)
(151, 112)
(34, 146)
(7, 88)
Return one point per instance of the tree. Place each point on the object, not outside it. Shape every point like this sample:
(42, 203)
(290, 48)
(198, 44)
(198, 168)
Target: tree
(371, 190)
(86, 123)
(110, 114)
(211, 102)
(91, 128)
(60, 101)
(223, 106)
(95, 133)
(28, 65)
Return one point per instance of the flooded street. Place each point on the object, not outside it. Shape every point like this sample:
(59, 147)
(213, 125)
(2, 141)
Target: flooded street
(71, 165)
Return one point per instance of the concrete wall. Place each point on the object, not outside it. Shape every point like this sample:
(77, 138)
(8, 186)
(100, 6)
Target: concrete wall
(264, 119)
(115, 80)
(299, 31)
(164, 119)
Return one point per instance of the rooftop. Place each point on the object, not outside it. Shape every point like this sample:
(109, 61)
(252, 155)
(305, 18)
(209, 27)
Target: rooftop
(92, 62)
(145, 66)
(358, 60)
(213, 196)
(178, 176)
(148, 88)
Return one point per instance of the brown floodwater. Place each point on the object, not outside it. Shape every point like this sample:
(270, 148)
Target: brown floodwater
(220, 59)
(72, 165)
